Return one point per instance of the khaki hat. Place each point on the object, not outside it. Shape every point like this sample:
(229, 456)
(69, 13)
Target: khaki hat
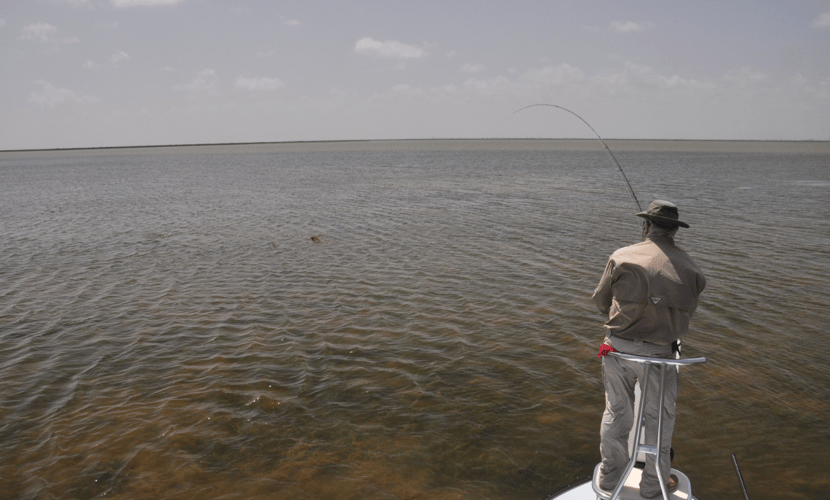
(662, 212)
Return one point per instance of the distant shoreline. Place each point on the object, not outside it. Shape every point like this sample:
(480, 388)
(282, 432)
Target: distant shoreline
(678, 145)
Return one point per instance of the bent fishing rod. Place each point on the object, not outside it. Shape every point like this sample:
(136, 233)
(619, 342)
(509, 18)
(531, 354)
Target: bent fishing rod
(613, 158)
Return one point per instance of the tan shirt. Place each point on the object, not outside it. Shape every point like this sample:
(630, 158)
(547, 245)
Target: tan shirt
(649, 290)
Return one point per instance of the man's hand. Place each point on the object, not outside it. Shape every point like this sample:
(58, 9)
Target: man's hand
(605, 349)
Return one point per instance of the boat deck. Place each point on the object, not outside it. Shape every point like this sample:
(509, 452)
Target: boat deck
(631, 490)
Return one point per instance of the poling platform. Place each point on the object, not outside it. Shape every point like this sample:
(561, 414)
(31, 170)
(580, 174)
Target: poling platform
(630, 488)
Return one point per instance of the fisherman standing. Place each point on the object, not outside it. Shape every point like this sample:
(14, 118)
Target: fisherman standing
(649, 291)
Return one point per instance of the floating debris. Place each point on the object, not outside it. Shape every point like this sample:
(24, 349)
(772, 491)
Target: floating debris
(316, 239)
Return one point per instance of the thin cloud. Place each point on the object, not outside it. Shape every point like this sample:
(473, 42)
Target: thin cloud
(2, 22)
(472, 68)
(262, 83)
(406, 88)
(119, 56)
(143, 3)
(42, 32)
(627, 27)
(291, 22)
(646, 83)
(388, 49)
(49, 96)
(45, 33)
(746, 76)
(490, 86)
(204, 81)
(562, 74)
(640, 80)
(822, 21)
(824, 86)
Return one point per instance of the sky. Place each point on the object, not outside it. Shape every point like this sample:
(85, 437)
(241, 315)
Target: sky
(101, 73)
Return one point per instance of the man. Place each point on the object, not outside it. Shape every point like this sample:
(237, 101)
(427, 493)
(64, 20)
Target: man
(649, 291)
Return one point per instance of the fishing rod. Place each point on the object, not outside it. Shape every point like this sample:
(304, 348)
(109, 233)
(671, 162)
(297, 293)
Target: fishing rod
(740, 476)
(614, 158)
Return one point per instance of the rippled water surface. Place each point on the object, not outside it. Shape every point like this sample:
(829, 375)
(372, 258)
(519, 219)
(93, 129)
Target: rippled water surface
(170, 329)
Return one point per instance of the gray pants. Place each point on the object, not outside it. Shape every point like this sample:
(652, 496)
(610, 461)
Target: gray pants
(619, 377)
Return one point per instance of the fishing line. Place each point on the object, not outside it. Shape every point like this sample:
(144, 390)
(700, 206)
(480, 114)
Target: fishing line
(613, 158)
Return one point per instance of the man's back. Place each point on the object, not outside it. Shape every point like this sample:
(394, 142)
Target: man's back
(650, 290)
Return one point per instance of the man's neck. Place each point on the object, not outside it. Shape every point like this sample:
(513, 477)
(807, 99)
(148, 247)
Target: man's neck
(659, 234)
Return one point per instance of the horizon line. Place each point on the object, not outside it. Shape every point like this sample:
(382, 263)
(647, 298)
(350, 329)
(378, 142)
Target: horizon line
(323, 141)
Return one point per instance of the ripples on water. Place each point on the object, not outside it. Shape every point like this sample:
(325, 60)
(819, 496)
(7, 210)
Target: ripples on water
(168, 329)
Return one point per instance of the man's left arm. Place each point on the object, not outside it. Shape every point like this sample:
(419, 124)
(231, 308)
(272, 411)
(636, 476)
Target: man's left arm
(602, 295)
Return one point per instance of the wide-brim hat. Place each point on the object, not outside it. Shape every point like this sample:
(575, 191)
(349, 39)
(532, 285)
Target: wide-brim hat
(663, 212)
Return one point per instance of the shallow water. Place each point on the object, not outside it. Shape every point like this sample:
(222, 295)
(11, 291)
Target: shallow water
(169, 329)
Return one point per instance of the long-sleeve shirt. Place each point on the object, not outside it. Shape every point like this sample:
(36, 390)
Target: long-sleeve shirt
(650, 290)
